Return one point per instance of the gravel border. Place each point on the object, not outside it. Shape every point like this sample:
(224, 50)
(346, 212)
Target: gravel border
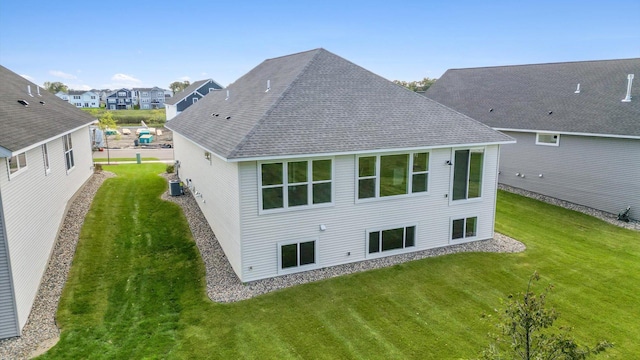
(41, 332)
(602, 215)
(224, 286)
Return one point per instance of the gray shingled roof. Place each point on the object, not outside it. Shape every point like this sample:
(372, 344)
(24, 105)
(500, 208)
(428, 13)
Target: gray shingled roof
(320, 103)
(177, 97)
(522, 96)
(22, 126)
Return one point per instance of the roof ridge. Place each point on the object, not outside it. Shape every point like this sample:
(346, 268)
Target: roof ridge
(542, 64)
(264, 116)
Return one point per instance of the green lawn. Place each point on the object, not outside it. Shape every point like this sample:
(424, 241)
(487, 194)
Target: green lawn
(125, 159)
(137, 290)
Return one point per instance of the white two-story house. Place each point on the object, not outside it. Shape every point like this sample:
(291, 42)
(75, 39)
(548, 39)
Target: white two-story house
(309, 161)
(45, 157)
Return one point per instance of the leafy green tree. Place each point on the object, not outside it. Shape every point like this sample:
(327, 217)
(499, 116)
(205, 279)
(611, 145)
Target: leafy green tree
(55, 87)
(421, 85)
(105, 122)
(178, 86)
(526, 331)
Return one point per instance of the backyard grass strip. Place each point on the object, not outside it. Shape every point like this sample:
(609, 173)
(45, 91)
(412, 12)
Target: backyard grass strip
(137, 289)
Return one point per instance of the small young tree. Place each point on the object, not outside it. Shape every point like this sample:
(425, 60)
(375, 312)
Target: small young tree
(526, 327)
(105, 122)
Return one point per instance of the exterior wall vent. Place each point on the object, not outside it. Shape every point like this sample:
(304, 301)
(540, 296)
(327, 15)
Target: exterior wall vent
(630, 81)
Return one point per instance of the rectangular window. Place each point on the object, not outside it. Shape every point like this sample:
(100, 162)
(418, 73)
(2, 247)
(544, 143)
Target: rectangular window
(296, 183)
(392, 175)
(297, 255)
(45, 158)
(548, 139)
(391, 239)
(207, 156)
(464, 228)
(68, 152)
(467, 174)
(17, 163)
(195, 100)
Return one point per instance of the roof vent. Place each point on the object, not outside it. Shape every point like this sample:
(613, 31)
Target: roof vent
(42, 102)
(577, 89)
(29, 90)
(228, 117)
(491, 110)
(628, 97)
(268, 86)
(23, 102)
(550, 112)
(227, 98)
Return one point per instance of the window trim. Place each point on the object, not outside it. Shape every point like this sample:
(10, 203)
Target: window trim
(21, 168)
(382, 253)
(557, 137)
(46, 159)
(452, 175)
(285, 183)
(376, 176)
(464, 237)
(297, 268)
(68, 151)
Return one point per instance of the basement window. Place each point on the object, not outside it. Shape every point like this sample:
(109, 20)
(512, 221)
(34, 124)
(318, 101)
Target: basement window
(547, 139)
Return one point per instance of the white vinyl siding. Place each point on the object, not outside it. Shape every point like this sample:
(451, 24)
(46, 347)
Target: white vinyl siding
(216, 182)
(32, 234)
(8, 316)
(342, 228)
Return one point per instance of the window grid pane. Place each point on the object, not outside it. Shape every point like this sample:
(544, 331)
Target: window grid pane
(470, 228)
(321, 170)
(289, 255)
(392, 239)
(367, 166)
(393, 174)
(475, 174)
(460, 174)
(272, 174)
(307, 253)
(366, 188)
(272, 198)
(374, 242)
(322, 193)
(458, 229)
(297, 172)
(297, 195)
(409, 236)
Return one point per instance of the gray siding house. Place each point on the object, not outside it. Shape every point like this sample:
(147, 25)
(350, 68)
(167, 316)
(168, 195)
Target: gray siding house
(577, 126)
(309, 161)
(45, 157)
(189, 96)
(120, 99)
(149, 98)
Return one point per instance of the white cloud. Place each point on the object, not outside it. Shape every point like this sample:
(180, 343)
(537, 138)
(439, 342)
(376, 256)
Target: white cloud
(79, 87)
(27, 77)
(185, 78)
(61, 74)
(125, 78)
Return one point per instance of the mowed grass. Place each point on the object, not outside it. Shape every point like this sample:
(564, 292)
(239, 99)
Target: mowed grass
(125, 159)
(137, 290)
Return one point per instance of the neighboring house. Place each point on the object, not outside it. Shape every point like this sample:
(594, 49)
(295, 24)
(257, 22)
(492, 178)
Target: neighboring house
(63, 95)
(120, 99)
(309, 161)
(45, 157)
(149, 98)
(577, 126)
(83, 99)
(189, 96)
(104, 94)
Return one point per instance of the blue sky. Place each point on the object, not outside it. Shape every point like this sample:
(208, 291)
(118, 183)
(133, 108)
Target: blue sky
(97, 44)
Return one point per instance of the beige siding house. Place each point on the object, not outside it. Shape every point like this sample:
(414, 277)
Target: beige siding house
(310, 161)
(45, 157)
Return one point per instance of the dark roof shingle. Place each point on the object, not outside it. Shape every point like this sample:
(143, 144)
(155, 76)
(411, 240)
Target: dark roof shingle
(522, 96)
(22, 126)
(320, 103)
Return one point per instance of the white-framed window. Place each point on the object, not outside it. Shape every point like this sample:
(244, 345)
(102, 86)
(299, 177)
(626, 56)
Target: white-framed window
(93, 97)
(295, 184)
(17, 164)
(547, 139)
(212, 89)
(122, 93)
(394, 174)
(464, 228)
(195, 100)
(468, 169)
(144, 93)
(294, 256)
(45, 159)
(380, 241)
(76, 97)
(68, 152)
